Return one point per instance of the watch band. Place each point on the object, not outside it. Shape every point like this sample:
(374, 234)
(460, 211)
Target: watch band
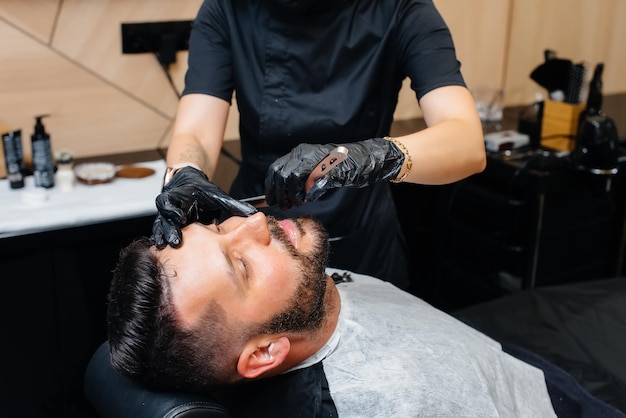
(170, 171)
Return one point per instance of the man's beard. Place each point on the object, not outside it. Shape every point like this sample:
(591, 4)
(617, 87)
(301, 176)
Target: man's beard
(306, 311)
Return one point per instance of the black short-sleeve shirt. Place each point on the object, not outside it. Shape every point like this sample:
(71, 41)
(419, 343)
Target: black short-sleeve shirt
(328, 75)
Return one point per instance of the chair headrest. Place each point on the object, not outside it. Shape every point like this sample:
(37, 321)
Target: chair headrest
(116, 396)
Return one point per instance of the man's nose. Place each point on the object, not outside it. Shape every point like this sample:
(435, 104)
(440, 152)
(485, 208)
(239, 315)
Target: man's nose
(253, 228)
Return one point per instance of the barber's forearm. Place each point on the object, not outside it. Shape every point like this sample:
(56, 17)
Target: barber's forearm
(185, 149)
(452, 147)
(445, 153)
(198, 132)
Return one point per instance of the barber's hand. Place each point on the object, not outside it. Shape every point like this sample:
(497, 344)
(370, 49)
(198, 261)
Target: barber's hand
(368, 162)
(190, 197)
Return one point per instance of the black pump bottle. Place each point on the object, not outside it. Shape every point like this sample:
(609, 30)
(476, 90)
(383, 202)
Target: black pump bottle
(43, 164)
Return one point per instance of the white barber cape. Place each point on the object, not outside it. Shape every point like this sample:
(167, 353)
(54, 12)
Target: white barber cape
(394, 355)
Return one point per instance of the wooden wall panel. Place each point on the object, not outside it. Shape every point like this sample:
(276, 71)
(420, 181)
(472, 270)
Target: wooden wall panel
(87, 114)
(35, 17)
(580, 30)
(89, 33)
(479, 29)
(614, 56)
(66, 59)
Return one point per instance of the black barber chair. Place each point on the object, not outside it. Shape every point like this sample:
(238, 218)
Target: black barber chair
(115, 396)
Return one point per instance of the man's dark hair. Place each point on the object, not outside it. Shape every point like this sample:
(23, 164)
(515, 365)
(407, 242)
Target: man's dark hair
(147, 342)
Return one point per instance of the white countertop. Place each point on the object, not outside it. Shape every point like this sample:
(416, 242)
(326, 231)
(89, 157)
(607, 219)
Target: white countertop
(85, 204)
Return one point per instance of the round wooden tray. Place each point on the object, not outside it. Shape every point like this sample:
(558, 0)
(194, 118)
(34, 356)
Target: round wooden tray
(102, 172)
(134, 172)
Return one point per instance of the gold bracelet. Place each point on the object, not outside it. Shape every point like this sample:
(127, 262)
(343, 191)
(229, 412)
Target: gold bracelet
(407, 159)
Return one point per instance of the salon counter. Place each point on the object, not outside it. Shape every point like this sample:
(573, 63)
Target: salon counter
(33, 210)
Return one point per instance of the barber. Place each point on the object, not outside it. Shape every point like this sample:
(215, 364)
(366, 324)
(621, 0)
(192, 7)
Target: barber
(309, 75)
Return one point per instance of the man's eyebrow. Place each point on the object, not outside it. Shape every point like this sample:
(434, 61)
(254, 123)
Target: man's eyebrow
(231, 269)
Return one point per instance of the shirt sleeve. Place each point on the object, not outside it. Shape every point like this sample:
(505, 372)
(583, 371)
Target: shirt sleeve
(210, 58)
(426, 48)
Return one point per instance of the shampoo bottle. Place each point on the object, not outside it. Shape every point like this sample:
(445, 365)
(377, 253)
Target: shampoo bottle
(12, 143)
(43, 163)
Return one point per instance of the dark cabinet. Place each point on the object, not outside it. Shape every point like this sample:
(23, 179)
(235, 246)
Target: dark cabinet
(522, 224)
(53, 312)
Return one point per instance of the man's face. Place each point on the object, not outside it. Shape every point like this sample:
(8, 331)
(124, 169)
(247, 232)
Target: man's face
(252, 267)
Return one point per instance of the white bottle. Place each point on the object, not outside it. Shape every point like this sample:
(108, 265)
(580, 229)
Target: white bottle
(65, 178)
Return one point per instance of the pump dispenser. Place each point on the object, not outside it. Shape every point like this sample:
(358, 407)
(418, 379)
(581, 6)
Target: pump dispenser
(597, 143)
(43, 163)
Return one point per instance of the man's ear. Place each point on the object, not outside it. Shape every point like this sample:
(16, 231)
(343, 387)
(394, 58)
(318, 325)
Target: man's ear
(261, 355)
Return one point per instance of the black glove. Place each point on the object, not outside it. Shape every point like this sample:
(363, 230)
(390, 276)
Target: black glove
(190, 197)
(368, 162)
